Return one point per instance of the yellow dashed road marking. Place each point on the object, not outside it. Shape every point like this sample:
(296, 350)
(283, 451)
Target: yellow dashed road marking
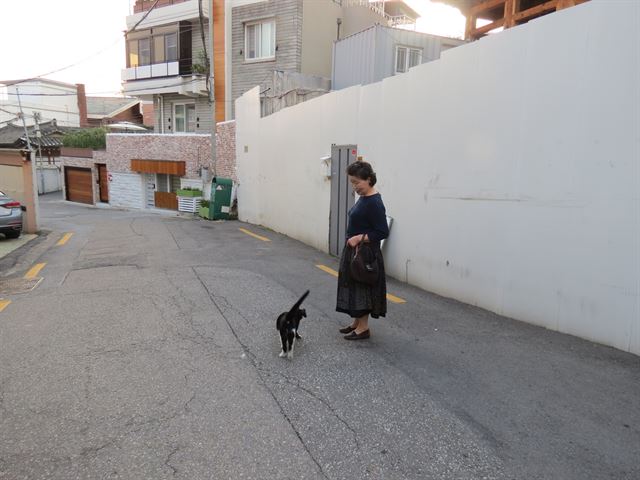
(394, 299)
(264, 239)
(331, 271)
(33, 273)
(64, 239)
(4, 304)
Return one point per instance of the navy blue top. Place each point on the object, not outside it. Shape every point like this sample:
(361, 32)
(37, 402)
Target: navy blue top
(368, 215)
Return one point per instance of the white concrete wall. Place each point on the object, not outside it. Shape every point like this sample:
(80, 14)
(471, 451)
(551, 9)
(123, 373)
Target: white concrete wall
(126, 190)
(510, 167)
(49, 179)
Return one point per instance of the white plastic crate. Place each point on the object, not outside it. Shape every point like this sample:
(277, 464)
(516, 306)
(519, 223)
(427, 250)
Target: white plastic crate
(189, 204)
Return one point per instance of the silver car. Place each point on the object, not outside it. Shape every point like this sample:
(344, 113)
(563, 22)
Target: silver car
(10, 216)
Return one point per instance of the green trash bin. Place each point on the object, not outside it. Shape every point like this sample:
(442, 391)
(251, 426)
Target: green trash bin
(220, 198)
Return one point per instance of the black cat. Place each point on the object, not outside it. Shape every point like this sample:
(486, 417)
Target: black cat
(288, 323)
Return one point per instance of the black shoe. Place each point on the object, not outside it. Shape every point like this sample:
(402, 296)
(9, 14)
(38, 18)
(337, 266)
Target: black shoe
(348, 329)
(357, 336)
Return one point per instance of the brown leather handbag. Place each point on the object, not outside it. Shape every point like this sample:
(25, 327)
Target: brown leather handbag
(364, 266)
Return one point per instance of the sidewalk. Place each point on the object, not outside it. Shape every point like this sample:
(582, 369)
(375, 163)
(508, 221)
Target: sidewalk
(8, 245)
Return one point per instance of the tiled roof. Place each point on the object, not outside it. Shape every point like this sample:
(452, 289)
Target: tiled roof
(12, 135)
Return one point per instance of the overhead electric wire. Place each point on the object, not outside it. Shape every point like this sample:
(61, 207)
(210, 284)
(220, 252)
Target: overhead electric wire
(9, 121)
(90, 56)
(90, 94)
(100, 52)
(37, 108)
(7, 111)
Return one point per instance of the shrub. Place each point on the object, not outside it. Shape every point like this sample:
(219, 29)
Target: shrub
(95, 138)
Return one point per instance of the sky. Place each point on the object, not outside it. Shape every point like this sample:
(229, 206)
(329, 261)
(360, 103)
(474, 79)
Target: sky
(40, 36)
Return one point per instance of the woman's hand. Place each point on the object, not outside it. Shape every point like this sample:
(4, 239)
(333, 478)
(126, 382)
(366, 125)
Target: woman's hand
(355, 240)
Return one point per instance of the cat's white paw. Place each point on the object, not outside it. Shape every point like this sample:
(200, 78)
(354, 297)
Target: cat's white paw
(282, 354)
(290, 355)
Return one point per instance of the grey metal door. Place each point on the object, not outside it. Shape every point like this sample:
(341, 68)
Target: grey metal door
(342, 196)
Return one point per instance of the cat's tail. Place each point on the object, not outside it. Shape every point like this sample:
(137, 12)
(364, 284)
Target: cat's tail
(299, 302)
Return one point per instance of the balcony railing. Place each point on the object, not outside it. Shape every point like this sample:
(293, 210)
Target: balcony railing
(151, 71)
(401, 20)
(183, 66)
(378, 7)
(144, 5)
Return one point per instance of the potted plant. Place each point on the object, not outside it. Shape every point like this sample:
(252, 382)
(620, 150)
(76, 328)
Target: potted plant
(203, 210)
(189, 192)
(201, 66)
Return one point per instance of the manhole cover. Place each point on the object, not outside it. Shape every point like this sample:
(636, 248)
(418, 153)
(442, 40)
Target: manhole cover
(12, 286)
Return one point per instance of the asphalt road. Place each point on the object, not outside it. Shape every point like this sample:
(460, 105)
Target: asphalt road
(148, 350)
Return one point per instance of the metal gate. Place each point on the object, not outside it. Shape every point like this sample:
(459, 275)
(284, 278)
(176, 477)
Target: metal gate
(149, 190)
(342, 196)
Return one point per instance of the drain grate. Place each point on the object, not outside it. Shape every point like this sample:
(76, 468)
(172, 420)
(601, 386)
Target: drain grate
(13, 286)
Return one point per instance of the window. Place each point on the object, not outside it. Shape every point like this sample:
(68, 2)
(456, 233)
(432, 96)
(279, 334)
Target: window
(158, 49)
(184, 116)
(144, 50)
(134, 60)
(162, 182)
(407, 57)
(260, 40)
(158, 45)
(171, 47)
(167, 183)
(165, 48)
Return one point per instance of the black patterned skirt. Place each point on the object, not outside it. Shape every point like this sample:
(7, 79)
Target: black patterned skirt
(357, 299)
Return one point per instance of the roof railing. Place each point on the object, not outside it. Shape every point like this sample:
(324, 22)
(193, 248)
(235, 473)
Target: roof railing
(378, 7)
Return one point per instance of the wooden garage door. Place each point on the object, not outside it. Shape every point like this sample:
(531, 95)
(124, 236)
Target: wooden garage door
(78, 182)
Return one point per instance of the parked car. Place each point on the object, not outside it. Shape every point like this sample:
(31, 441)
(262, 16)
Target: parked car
(10, 216)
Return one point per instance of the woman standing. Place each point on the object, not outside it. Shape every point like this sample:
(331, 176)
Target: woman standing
(367, 223)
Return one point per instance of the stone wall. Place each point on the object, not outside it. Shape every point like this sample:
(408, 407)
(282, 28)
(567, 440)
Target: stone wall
(193, 149)
(226, 151)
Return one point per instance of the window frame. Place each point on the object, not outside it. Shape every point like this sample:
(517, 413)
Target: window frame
(408, 51)
(152, 36)
(257, 58)
(186, 106)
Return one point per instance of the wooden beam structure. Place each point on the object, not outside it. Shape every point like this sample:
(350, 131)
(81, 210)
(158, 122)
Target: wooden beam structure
(546, 7)
(490, 26)
(159, 166)
(510, 15)
(485, 6)
(510, 9)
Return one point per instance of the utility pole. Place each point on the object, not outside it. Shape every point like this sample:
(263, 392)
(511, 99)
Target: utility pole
(36, 118)
(212, 95)
(26, 134)
(34, 185)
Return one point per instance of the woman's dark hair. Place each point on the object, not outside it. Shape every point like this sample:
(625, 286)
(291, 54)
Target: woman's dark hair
(363, 171)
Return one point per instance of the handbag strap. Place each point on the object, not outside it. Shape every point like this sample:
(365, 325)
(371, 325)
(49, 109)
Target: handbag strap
(357, 248)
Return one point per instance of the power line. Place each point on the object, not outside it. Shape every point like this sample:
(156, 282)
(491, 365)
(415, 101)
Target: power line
(64, 68)
(9, 121)
(92, 55)
(7, 111)
(38, 108)
(143, 17)
(97, 93)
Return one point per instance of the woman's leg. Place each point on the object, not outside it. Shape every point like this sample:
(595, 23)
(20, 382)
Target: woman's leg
(361, 324)
(352, 327)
